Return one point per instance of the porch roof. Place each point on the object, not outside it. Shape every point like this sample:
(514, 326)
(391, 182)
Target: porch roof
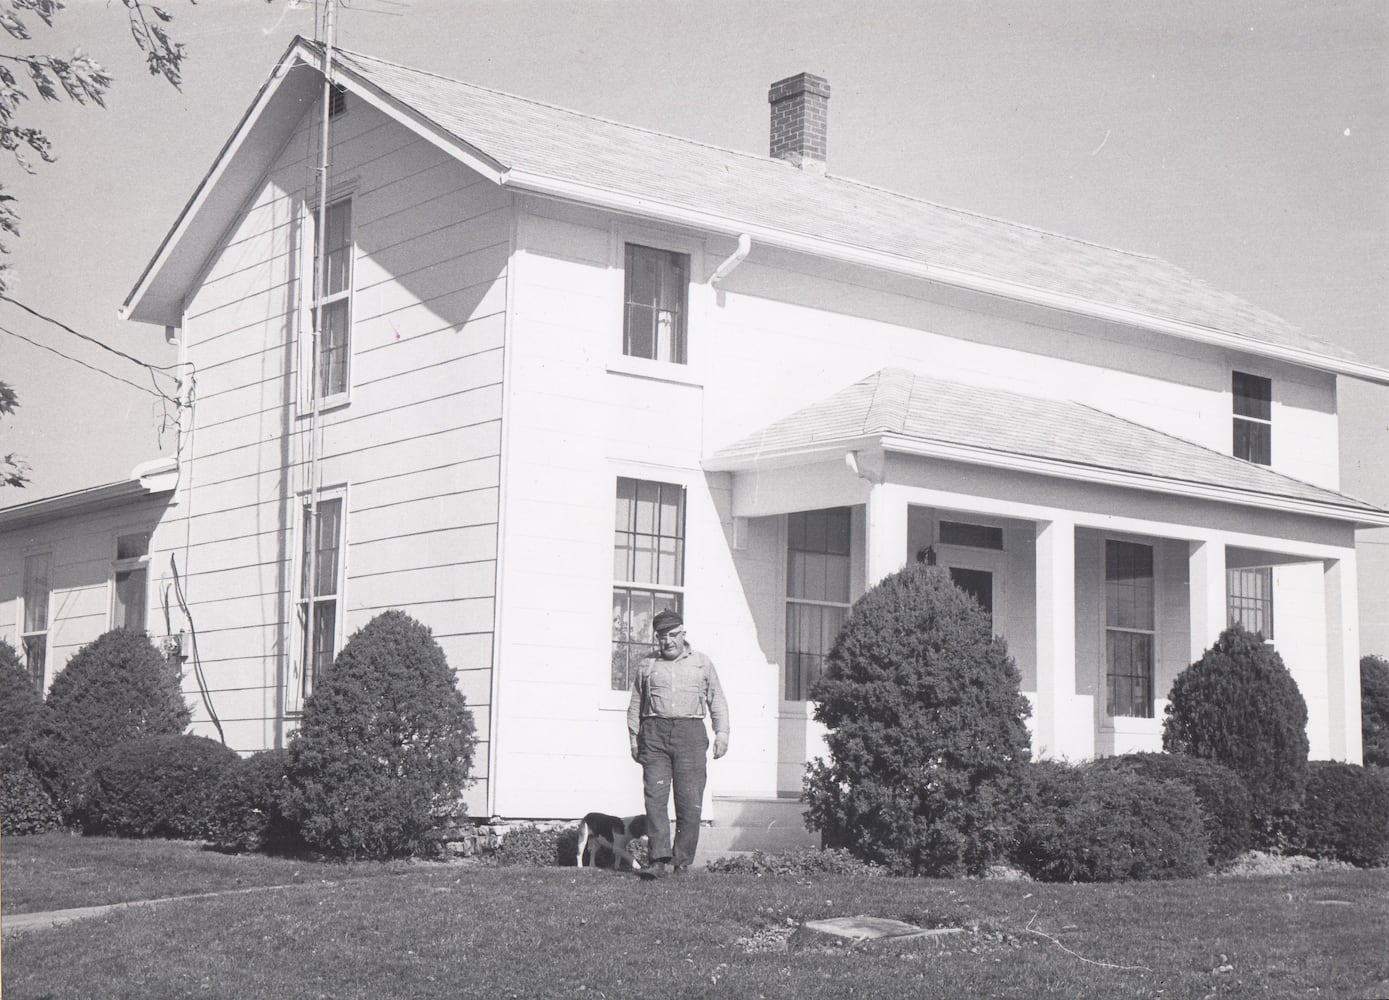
(897, 410)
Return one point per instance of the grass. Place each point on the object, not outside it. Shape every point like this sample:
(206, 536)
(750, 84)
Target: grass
(448, 931)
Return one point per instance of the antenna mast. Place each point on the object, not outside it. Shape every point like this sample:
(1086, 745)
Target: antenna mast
(315, 396)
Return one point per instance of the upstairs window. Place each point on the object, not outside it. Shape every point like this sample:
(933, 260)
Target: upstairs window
(33, 636)
(655, 304)
(1249, 596)
(648, 569)
(332, 302)
(131, 581)
(817, 593)
(337, 100)
(1253, 396)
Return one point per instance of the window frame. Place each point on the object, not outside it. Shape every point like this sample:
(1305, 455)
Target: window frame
(1108, 629)
(301, 668)
(680, 347)
(669, 594)
(309, 374)
(129, 565)
(803, 678)
(1264, 606)
(27, 635)
(1251, 432)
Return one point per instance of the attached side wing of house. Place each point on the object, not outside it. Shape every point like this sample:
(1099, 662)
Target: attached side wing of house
(569, 372)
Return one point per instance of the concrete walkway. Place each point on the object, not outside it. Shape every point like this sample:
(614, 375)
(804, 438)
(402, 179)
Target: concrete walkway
(16, 923)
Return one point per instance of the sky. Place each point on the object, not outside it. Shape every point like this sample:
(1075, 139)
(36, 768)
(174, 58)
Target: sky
(1245, 141)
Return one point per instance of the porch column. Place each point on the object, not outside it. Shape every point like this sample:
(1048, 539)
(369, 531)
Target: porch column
(1062, 729)
(1209, 613)
(885, 549)
(1343, 658)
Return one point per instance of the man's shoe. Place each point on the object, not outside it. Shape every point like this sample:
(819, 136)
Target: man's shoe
(658, 870)
(682, 869)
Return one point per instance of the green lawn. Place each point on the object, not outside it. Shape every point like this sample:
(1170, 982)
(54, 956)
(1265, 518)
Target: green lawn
(448, 931)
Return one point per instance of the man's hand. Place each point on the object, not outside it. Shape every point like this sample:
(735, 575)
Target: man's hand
(636, 753)
(720, 746)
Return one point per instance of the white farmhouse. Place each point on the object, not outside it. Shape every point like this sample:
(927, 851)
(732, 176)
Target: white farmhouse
(571, 372)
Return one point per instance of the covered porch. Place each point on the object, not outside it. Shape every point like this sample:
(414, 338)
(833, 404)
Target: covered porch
(1105, 579)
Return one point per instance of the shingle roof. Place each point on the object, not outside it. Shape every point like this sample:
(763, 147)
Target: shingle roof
(909, 408)
(761, 192)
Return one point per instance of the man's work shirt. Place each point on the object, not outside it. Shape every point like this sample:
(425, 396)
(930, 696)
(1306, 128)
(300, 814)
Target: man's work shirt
(684, 688)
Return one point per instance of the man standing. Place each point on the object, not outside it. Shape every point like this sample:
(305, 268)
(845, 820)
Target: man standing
(665, 722)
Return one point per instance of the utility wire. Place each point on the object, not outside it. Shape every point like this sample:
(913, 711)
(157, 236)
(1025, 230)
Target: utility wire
(162, 369)
(101, 371)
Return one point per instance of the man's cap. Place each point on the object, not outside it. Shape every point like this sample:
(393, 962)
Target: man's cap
(666, 621)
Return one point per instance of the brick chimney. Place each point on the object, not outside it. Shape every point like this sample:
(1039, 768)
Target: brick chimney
(800, 114)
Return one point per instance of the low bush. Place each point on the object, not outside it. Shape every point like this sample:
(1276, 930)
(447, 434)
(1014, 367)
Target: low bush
(1225, 802)
(1095, 824)
(538, 847)
(247, 810)
(803, 862)
(160, 786)
(116, 688)
(20, 703)
(1345, 814)
(25, 805)
(382, 755)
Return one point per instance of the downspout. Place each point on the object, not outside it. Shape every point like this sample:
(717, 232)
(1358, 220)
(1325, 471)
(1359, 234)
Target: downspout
(734, 259)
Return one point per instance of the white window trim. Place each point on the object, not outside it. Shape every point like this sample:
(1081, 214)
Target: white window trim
(690, 372)
(21, 610)
(1130, 723)
(127, 566)
(608, 699)
(308, 298)
(294, 677)
(798, 706)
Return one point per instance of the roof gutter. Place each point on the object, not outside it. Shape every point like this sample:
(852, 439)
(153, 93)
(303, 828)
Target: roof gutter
(149, 479)
(586, 194)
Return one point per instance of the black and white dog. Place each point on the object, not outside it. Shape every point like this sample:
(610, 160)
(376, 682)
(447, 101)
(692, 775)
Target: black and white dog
(616, 833)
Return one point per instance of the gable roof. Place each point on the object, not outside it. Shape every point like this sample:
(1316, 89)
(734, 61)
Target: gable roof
(907, 413)
(538, 148)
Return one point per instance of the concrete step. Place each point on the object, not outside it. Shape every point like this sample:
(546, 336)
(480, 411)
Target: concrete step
(756, 824)
(760, 812)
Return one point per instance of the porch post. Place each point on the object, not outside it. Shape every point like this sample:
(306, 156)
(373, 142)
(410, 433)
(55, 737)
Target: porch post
(1343, 658)
(1061, 729)
(885, 549)
(1206, 575)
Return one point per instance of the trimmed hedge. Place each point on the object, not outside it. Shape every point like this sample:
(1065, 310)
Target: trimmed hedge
(247, 810)
(1225, 802)
(1374, 710)
(158, 786)
(115, 689)
(925, 728)
(382, 755)
(20, 704)
(1345, 814)
(1098, 824)
(25, 805)
(1239, 706)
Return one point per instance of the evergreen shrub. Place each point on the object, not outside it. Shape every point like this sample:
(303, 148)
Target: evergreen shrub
(25, 805)
(1102, 824)
(925, 728)
(20, 704)
(1239, 706)
(1225, 802)
(1374, 710)
(539, 847)
(157, 786)
(1345, 814)
(114, 689)
(247, 813)
(382, 755)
